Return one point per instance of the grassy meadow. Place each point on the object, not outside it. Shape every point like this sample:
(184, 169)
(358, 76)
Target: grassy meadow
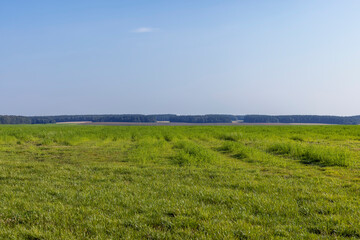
(179, 182)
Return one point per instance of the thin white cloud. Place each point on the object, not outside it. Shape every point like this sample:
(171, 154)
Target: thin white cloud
(144, 30)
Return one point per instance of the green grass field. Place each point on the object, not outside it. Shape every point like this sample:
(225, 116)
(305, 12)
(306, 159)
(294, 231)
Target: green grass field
(183, 182)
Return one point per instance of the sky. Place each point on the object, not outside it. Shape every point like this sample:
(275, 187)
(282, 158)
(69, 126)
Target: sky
(180, 57)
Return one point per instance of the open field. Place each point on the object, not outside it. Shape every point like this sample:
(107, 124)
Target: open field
(165, 123)
(179, 182)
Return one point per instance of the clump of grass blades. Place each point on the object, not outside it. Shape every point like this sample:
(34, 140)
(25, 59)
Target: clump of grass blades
(237, 150)
(234, 136)
(8, 139)
(297, 138)
(192, 154)
(310, 154)
(148, 150)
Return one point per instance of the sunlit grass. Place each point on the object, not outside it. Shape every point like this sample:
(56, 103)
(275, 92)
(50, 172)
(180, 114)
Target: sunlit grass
(187, 182)
(313, 154)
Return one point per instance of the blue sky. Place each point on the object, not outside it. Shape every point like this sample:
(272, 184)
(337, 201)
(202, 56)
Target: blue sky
(184, 57)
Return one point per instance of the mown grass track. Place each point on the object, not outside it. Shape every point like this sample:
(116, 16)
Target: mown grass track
(243, 182)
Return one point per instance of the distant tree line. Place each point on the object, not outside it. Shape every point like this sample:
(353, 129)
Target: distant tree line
(94, 118)
(210, 118)
(232, 117)
(202, 119)
(76, 118)
(119, 118)
(302, 119)
(14, 120)
(162, 117)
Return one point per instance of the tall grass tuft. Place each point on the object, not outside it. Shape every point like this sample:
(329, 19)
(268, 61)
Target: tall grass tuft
(237, 150)
(190, 153)
(311, 154)
(148, 150)
(234, 136)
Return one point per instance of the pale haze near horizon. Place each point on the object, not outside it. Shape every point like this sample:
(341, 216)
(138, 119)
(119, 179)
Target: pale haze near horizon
(182, 57)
